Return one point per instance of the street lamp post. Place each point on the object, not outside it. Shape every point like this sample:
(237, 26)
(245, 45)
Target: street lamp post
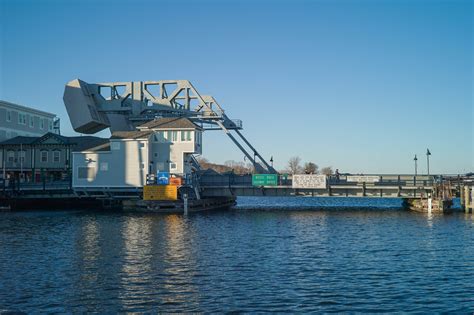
(271, 160)
(428, 153)
(416, 165)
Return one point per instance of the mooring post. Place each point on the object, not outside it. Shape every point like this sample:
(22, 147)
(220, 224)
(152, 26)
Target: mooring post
(430, 206)
(462, 198)
(185, 204)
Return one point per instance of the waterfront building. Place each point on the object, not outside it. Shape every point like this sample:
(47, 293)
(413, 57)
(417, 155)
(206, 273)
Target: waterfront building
(18, 120)
(35, 159)
(161, 145)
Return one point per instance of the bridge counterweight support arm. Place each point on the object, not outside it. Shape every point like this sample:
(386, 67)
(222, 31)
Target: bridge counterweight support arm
(270, 168)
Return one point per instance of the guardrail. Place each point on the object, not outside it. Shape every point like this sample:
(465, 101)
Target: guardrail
(229, 179)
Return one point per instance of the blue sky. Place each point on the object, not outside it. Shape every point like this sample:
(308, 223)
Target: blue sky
(362, 86)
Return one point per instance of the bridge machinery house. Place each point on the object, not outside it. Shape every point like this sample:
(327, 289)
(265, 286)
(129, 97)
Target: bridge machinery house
(160, 145)
(34, 159)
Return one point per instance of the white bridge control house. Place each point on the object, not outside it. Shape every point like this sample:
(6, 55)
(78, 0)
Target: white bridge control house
(164, 144)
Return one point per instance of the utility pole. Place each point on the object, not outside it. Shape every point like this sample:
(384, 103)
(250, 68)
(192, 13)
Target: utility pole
(428, 153)
(416, 165)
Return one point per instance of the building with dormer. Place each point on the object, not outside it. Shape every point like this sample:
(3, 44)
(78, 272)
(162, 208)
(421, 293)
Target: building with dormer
(35, 159)
(160, 145)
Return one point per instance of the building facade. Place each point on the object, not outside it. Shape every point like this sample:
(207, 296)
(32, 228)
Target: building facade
(17, 120)
(37, 159)
(162, 145)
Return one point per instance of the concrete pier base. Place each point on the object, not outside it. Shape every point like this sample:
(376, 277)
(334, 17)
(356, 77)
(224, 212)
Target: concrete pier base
(428, 205)
(467, 199)
(179, 206)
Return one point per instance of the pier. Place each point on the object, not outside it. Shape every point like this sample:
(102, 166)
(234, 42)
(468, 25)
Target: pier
(209, 191)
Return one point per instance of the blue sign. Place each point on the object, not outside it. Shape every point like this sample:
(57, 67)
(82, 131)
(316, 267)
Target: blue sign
(162, 178)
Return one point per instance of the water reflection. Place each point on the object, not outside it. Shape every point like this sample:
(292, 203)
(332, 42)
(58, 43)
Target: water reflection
(137, 262)
(179, 262)
(327, 260)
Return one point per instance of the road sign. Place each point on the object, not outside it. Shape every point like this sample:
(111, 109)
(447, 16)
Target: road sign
(162, 178)
(163, 192)
(264, 179)
(309, 181)
(363, 179)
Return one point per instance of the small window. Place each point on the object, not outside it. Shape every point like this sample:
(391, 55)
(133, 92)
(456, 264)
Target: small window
(11, 156)
(142, 165)
(142, 145)
(21, 118)
(185, 136)
(84, 172)
(44, 156)
(32, 121)
(173, 166)
(174, 136)
(22, 155)
(159, 136)
(56, 156)
(104, 166)
(50, 125)
(41, 123)
(9, 115)
(114, 145)
(156, 154)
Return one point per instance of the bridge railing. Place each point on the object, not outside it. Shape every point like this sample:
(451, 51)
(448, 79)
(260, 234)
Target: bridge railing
(230, 179)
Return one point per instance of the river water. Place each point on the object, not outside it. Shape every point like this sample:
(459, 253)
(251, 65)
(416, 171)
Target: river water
(280, 254)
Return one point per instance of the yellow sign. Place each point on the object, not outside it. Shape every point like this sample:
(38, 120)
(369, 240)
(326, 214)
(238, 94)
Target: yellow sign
(160, 192)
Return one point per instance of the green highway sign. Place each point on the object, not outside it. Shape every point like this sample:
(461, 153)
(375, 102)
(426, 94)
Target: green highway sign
(264, 179)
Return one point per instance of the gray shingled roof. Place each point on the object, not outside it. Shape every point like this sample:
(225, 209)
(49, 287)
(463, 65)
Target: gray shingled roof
(19, 140)
(86, 143)
(170, 123)
(131, 134)
(77, 143)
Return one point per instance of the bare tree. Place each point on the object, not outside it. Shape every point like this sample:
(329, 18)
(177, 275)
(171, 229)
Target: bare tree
(294, 166)
(238, 167)
(327, 170)
(311, 168)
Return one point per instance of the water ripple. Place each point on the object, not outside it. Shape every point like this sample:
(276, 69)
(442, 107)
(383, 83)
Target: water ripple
(298, 255)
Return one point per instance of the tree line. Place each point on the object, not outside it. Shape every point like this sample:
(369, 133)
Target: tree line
(294, 166)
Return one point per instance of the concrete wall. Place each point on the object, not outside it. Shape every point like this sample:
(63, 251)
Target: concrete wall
(126, 165)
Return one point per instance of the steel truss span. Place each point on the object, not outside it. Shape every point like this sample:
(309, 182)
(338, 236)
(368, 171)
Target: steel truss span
(122, 106)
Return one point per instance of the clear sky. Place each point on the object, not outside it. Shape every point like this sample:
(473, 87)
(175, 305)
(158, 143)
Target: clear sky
(362, 86)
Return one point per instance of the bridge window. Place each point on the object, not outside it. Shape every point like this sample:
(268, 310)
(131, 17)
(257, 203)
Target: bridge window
(159, 137)
(114, 145)
(185, 136)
